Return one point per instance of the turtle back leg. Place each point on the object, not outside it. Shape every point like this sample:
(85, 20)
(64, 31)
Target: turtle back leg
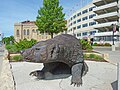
(77, 71)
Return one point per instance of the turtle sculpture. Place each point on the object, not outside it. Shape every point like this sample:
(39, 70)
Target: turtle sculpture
(60, 49)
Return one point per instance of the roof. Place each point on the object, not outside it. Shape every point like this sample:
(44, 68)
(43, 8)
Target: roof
(28, 22)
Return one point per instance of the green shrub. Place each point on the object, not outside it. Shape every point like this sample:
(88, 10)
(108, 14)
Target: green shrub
(95, 44)
(11, 48)
(25, 44)
(97, 57)
(92, 56)
(85, 45)
(104, 44)
(107, 44)
(17, 58)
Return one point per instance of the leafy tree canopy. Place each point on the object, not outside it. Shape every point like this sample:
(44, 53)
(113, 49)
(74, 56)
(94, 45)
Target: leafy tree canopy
(50, 18)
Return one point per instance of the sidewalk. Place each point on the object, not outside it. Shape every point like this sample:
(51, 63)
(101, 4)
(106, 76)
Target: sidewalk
(101, 76)
(113, 56)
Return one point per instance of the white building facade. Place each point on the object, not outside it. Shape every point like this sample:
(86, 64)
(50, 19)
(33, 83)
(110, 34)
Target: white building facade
(107, 15)
(81, 22)
(96, 20)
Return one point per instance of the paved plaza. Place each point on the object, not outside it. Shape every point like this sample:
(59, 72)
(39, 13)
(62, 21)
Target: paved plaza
(101, 76)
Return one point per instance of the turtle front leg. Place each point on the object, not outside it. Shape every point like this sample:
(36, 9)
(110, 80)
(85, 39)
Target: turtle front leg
(77, 71)
(38, 73)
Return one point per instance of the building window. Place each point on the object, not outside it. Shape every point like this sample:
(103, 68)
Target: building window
(79, 14)
(84, 33)
(85, 25)
(92, 32)
(78, 34)
(79, 20)
(24, 32)
(84, 18)
(91, 16)
(74, 28)
(28, 32)
(74, 22)
(33, 30)
(18, 33)
(90, 9)
(85, 11)
(78, 27)
(92, 23)
(74, 16)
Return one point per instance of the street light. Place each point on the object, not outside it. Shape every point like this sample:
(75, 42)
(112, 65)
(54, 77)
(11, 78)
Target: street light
(114, 30)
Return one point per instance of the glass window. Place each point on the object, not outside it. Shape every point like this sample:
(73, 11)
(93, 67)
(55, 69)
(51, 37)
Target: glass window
(79, 14)
(74, 16)
(24, 32)
(28, 32)
(79, 20)
(85, 11)
(74, 22)
(91, 16)
(78, 34)
(85, 25)
(84, 33)
(74, 28)
(33, 30)
(18, 32)
(92, 32)
(78, 27)
(92, 23)
(84, 18)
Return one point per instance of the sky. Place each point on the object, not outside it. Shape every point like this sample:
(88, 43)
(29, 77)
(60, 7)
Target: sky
(12, 11)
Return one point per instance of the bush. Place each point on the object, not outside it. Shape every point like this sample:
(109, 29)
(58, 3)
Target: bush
(25, 44)
(93, 57)
(11, 48)
(85, 45)
(97, 57)
(17, 58)
(105, 44)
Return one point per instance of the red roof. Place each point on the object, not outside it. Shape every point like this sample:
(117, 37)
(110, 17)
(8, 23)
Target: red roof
(28, 22)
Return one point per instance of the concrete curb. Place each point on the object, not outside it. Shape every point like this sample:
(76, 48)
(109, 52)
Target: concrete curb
(6, 79)
(6, 76)
(106, 57)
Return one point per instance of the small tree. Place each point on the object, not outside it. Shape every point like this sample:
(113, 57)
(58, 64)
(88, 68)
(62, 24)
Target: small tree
(8, 40)
(50, 18)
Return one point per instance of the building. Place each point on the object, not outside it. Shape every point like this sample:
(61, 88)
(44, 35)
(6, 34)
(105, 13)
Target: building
(81, 22)
(28, 30)
(107, 17)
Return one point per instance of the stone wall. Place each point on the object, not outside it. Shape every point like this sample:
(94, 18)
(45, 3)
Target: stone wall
(6, 77)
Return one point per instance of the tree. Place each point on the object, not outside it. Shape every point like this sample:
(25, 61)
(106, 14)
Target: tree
(50, 18)
(8, 40)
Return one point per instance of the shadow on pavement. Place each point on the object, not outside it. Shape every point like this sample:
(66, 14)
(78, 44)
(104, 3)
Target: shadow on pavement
(60, 72)
(115, 85)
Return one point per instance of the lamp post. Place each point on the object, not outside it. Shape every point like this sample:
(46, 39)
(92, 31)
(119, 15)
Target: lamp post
(113, 30)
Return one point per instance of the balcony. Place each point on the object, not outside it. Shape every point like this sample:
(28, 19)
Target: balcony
(102, 2)
(105, 26)
(108, 17)
(112, 7)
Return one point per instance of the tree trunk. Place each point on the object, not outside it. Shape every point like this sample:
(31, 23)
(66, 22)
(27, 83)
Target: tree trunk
(51, 35)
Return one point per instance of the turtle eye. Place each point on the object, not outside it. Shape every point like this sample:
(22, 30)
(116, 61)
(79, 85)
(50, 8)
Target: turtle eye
(37, 48)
